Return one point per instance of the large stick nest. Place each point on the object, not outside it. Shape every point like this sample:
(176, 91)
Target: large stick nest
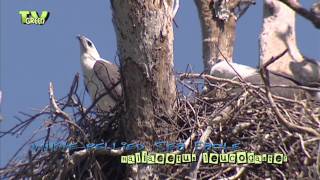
(261, 123)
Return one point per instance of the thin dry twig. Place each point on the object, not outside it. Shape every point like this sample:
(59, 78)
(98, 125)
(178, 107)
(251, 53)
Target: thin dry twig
(301, 129)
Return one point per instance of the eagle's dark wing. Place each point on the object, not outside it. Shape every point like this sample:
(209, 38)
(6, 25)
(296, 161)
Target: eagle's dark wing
(109, 75)
(276, 80)
(306, 71)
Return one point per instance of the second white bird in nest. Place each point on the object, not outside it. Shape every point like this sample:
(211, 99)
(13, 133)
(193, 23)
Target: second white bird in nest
(251, 75)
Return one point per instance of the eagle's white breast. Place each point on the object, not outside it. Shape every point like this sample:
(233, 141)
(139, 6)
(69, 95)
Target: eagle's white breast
(94, 85)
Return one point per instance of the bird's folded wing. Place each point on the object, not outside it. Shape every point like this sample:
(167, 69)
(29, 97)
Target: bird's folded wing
(109, 75)
(307, 72)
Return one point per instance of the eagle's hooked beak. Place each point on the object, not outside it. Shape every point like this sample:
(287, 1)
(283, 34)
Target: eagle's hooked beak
(79, 36)
(81, 39)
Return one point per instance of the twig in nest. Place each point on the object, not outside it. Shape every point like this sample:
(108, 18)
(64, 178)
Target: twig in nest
(273, 59)
(186, 143)
(238, 75)
(224, 115)
(304, 147)
(264, 74)
(78, 156)
(238, 174)
(56, 110)
(54, 107)
(318, 160)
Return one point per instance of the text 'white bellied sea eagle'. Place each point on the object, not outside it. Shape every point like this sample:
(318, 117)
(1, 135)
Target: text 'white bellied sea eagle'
(101, 77)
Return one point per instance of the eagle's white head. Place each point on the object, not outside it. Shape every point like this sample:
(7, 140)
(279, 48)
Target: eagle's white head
(87, 48)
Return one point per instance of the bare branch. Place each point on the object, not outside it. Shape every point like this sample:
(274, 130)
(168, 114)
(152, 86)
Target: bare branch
(295, 5)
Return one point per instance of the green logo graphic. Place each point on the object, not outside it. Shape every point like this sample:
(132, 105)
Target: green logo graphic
(32, 17)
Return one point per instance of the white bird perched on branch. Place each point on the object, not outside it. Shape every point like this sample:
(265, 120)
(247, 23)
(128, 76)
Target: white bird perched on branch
(101, 77)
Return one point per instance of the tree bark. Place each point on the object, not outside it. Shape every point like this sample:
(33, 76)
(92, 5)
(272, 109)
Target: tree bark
(144, 34)
(279, 33)
(218, 32)
(313, 15)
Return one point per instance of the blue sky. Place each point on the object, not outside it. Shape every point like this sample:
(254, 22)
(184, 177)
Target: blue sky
(32, 56)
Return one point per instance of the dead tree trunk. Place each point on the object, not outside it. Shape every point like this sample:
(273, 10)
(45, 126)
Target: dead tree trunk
(218, 24)
(279, 33)
(145, 45)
